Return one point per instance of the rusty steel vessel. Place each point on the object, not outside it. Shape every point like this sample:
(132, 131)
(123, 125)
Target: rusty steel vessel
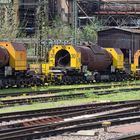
(95, 57)
(4, 57)
(92, 56)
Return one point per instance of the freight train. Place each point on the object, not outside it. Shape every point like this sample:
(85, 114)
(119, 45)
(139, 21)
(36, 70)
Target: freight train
(67, 64)
(13, 67)
(85, 63)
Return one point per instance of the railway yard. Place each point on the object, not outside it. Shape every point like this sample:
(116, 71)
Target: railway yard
(70, 70)
(99, 113)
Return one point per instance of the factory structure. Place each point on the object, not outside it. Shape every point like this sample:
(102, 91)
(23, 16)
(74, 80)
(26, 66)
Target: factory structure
(111, 12)
(26, 13)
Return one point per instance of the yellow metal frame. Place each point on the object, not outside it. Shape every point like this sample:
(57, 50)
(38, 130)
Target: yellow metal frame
(74, 54)
(36, 68)
(118, 58)
(75, 60)
(135, 65)
(18, 59)
(45, 68)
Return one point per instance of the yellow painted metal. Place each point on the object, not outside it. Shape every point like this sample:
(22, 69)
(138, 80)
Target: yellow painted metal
(135, 65)
(36, 68)
(75, 60)
(45, 68)
(136, 58)
(133, 68)
(51, 77)
(118, 57)
(18, 58)
(75, 56)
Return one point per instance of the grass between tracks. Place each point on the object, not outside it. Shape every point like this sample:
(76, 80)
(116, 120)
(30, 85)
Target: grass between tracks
(45, 88)
(131, 95)
(89, 92)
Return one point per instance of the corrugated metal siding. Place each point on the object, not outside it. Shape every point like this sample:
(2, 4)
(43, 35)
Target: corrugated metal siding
(117, 38)
(114, 39)
(136, 42)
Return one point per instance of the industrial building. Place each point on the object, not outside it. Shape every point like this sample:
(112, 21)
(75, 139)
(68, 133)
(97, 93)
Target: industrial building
(128, 40)
(108, 12)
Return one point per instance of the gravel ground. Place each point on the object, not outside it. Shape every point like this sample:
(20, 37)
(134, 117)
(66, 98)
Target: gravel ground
(100, 134)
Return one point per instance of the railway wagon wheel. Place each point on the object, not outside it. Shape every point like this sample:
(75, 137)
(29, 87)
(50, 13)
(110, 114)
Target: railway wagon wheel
(12, 82)
(32, 82)
(97, 77)
(23, 83)
(2, 85)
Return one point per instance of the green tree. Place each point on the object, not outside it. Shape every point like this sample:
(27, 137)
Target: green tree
(9, 28)
(89, 32)
(58, 30)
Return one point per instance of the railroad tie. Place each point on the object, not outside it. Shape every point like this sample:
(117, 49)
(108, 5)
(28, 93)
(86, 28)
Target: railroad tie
(42, 121)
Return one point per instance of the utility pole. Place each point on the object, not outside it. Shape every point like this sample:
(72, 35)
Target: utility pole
(75, 12)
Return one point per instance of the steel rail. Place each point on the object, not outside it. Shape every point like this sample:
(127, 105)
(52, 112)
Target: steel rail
(41, 114)
(2, 95)
(117, 90)
(59, 109)
(50, 98)
(23, 101)
(64, 116)
(65, 108)
(89, 111)
(82, 112)
(81, 124)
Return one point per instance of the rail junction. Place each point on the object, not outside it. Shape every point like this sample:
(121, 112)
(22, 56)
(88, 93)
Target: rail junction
(57, 121)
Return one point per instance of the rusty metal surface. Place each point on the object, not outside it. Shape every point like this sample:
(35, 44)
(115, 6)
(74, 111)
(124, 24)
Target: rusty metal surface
(4, 57)
(120, 13)
(94, 57)
(42, 121)
(125, 6)
(123, 1)
(122, 7)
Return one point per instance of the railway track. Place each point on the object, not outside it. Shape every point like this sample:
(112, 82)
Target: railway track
(70, 126)
(105, 92)
(95, 87)
(46, 98)
(67, 114)
(54, 97)
(21, 124)
(59, 110)
(61, 125)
